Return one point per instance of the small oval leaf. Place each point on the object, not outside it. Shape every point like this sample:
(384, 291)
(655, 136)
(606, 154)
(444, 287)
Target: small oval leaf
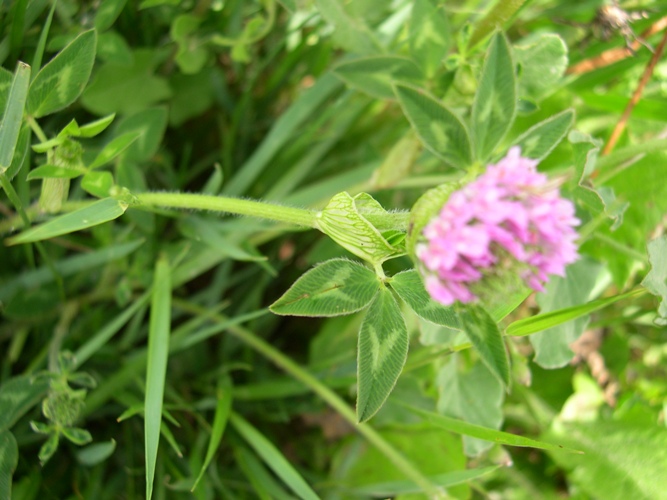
(77, 436)
(97, 213)
(95, 453)
(49, 448)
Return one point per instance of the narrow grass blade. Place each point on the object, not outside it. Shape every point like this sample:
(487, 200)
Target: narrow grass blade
(627, 153)
(13, 116)
(105, 334)
(273, 458)
(477, 431)
(183, 338)
(264, 484)
(222, 411)
(541, 322)
(41, 44)
(156, 369)
(166, 433)
(17, 26)
(20, 153)
(319, 193)
(342, 118)
(301, 110)
(67, 267)
(97, 213)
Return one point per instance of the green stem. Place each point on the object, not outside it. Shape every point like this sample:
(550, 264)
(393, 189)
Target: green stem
(263, 210)
(36, 129)
(586, 231)
(14, 198)
(630, 252)
(69, 311)
(337, 404)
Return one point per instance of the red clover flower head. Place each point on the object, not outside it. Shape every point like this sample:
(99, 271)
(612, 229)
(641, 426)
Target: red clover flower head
(510, 219)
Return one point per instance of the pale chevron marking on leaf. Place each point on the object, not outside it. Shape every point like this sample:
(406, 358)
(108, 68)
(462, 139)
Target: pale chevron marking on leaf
(382, 348)
(439, 131)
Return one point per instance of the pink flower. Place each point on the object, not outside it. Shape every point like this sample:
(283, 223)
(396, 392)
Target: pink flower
(510, 219)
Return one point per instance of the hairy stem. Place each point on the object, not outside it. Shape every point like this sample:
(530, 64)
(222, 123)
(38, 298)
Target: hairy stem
(263, 210)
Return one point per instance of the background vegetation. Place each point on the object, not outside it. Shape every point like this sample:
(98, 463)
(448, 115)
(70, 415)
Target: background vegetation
(139, 356)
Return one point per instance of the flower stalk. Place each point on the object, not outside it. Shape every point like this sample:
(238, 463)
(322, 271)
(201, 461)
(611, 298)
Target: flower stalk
(263, 210)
